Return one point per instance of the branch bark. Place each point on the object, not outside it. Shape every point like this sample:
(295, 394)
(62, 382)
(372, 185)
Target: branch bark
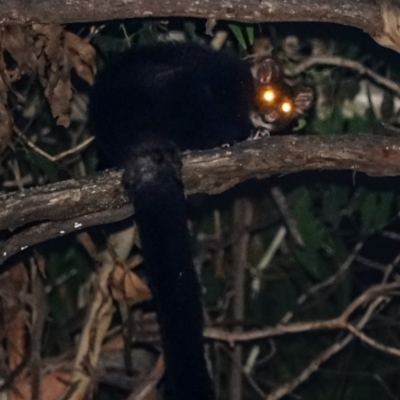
(378, 18)
(56, 209)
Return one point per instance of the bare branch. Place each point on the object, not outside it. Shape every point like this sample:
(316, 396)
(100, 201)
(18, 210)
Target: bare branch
(372, 342)
(59, 156)
(68, 206)
(325, 355)
(376, 17)
(48, 230)
(149, 384)
(340, 322)
(98, 316)
(313, 366)
(345, 63)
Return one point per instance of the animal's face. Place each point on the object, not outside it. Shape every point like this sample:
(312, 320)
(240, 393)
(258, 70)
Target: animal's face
(274, 103)
(277, 103)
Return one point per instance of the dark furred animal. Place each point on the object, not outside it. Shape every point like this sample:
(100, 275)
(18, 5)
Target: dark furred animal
(145, 108)
(277, 105)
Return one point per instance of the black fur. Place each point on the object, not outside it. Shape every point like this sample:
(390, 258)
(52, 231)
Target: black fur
(145, 108)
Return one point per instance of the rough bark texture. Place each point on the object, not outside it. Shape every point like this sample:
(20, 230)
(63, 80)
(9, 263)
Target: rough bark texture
(67, 11)
(378, 18)
(54, 210)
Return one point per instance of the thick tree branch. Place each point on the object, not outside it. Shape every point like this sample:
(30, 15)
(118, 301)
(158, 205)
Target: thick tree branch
(57, 209)
(378, 18)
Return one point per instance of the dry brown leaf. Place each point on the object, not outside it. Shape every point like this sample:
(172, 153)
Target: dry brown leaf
(127, 286)
(134, 261)
(6, 120)
(389, 36)
(59, 94)
(82, 56)
(50, 53)
(55, 70)
(64, 51)
(115, 343)
(86, 241)
(51, 38)
(16, 280)
(4, 72)
(18, 42)
(6, 124)
(53, 386)
(14, 286)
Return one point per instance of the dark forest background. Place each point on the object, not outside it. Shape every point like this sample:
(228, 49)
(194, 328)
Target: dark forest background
(306, 263)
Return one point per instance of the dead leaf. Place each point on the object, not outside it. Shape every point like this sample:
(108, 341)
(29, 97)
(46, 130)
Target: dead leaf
(82, 56)
(55, 73)
(50, 53)
(16, 280)
(127, 286)
(6, 124)
(53, 386)
(86, 241)
(59, 93)
(19, 43)
(389, 36)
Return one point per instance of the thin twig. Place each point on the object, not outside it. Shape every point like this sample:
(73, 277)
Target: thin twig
(247, 375)
(340, 322)
(39, 317)
(143, 389)
(345, 63)
(243, 211)
(290, 221)
(98, 318)
(57, 157)
(266, 259)
(325, 355)
(333, 278)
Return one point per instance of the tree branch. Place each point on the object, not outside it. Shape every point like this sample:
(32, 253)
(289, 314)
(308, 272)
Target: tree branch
(340, 322)
(68, 206)
(378, 18)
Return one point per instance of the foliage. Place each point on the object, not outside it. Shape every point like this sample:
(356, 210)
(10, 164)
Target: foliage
(331, 212)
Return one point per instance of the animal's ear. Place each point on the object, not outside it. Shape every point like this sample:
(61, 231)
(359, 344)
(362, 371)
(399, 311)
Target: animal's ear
(268, 70)
(303, 98)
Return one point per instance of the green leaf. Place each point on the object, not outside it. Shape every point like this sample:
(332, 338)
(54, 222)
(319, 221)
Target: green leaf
(190, 30)
(312, 233)
(237, 31)
(301, 123)
(375, 210)
(387, 106)
(250, 34)
(359, 123)
(334, 199)
(42, 165)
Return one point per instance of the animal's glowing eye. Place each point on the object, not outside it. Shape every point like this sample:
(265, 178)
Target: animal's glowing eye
(269, 95)
(286, 107)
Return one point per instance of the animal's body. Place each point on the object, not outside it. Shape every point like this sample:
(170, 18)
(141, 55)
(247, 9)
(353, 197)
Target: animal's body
(145, 108)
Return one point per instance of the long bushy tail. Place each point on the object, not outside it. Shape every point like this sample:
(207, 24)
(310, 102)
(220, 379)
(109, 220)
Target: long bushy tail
(152, 180)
